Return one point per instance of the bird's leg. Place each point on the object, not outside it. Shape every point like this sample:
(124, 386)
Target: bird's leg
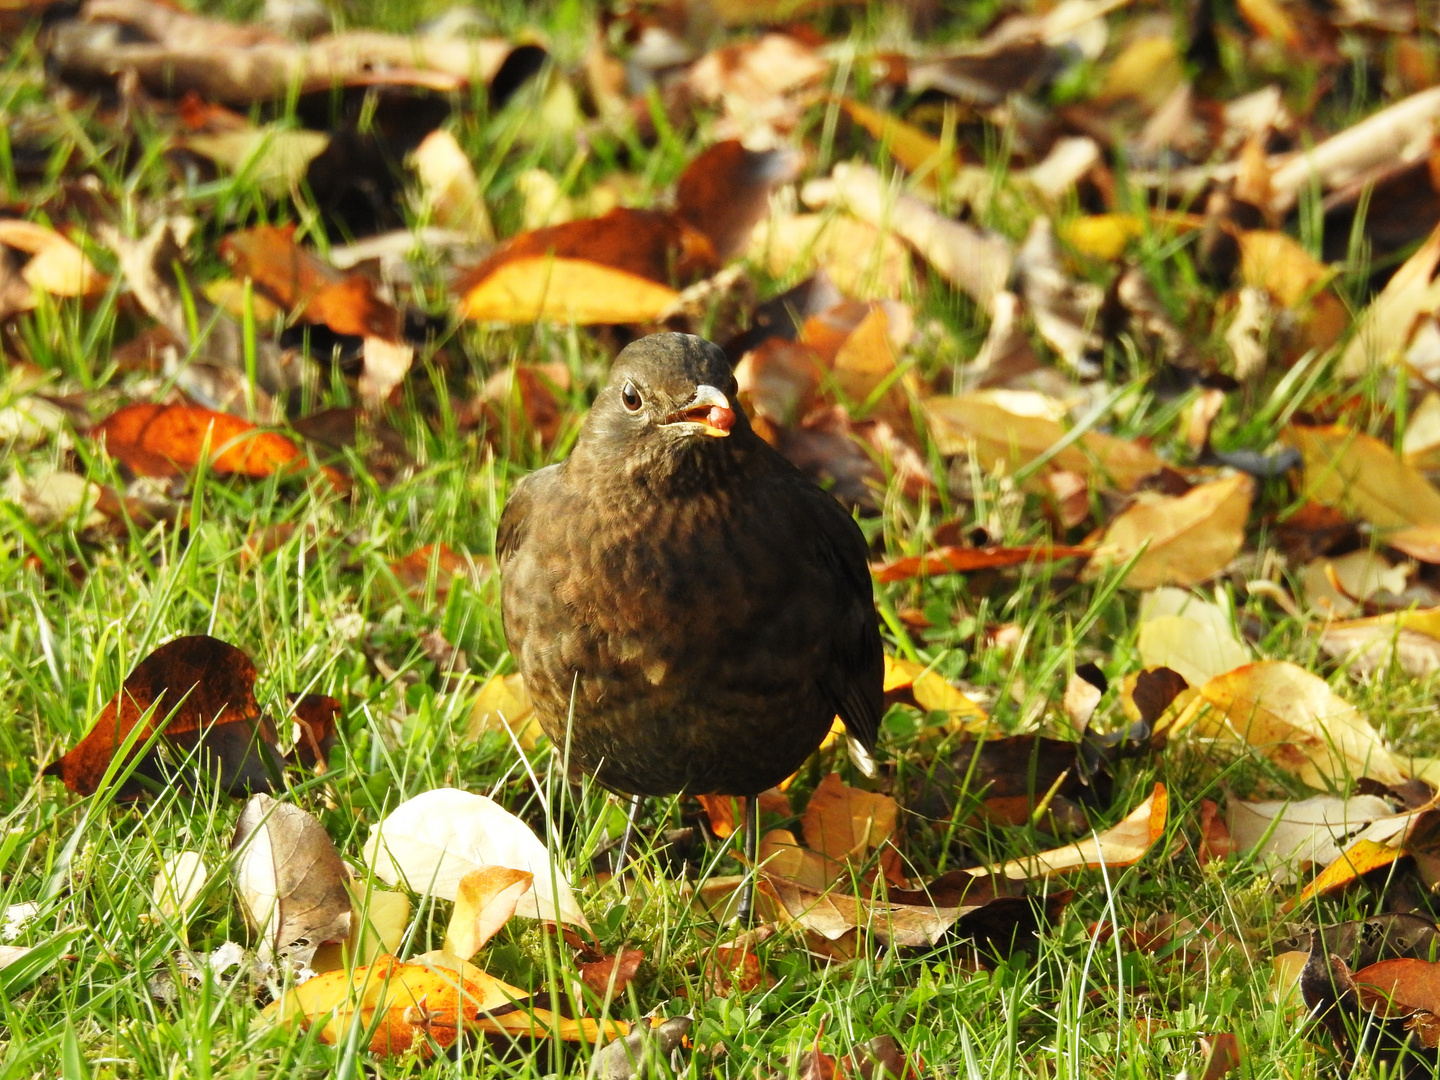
(632, 817)
(745, 913)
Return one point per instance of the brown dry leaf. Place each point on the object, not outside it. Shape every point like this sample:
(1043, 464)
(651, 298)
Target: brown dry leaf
(1180, 540)
(205, 689)
(1293, 718)
(1120, 845)
(1401, 983)
(56, 265)
(308, 286)
(952, 559)
(613, 269)
(1215, 840)
(525, 397)
(172, 51)
(977, 263)
(833, 914)
(725, 191)
(1369, 645)
(781, 855)
(1359, 474)
(984, 424)
(504, 703)
(761, 84)
(172, 440)
(722, 811)
(1419, 542)
(1222, 1055)
(610, 975)
(484, 901)
(1277, 264)
(413, 571)
(734, 969)
(847, 823)
(291, 881)
(450, 192)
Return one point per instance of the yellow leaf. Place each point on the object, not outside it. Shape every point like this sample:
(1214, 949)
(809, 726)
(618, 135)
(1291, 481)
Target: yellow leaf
(1362, 476)
(1180, 540)
(504, 703)
(978, 423)
(1293, 718)
(1122, 845)
(911, 147)
(1277, 263)
(1386, 325)
(932, 693)
(585, 293)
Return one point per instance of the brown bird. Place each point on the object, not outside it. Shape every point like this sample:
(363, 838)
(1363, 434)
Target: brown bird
(689, 612)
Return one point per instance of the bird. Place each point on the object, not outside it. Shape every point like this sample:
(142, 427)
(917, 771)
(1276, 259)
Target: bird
(689, 612)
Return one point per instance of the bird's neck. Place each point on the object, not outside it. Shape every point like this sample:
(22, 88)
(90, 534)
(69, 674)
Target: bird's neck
(705, 467)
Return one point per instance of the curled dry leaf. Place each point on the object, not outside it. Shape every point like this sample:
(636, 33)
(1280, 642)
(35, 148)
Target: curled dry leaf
(1177, 540)
(429, 843)
(484, 901)
(863, 260)
(1120, 845)
(291, 881)
(1298, 833)
(1293, 718)
(983, 424)
(449, 190)
(647, 1051)
(202, 693)
(920, 685)
(1357, 473)
(608, 977)
(953, 559)
(977, 263)
(726, 190)
(55, 265)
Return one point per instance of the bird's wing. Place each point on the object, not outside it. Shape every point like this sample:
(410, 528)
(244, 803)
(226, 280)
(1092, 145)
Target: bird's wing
(515, 518)
(858, 672)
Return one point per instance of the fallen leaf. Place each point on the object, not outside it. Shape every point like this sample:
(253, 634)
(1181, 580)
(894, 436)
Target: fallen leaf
(725, 191)
(1295, 834)
(862, 259)
(173, 440)
(1177, 540)
(921, 154)
(1293, 718)
(608, 977)
(981, 423)
(613, 269)
(430, 842)
(952, 559)
(1359, 474)
(291, 881)
(201, 692)
(503, 703)
(55, 266)
(450, 193)
(1121, 845)
(1385, 327)
(484, 901)
(179, 884)
(646, 1051)
(846, 823)
(1195, 638)
(306, 285)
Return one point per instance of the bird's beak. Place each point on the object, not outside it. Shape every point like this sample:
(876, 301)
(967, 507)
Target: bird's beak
(709, 413)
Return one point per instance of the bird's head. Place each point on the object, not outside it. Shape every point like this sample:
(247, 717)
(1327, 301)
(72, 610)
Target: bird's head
(669, 404)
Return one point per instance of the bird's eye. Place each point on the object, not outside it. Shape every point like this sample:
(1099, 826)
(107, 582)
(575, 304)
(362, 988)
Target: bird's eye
(630, 396)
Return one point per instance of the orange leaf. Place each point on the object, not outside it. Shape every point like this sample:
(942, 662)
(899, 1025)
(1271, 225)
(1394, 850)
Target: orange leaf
(170, 440)
(1358, 860)
(310, 287)
(952, 559)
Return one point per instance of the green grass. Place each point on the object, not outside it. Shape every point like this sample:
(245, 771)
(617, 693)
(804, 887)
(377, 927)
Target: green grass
(79, 609)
